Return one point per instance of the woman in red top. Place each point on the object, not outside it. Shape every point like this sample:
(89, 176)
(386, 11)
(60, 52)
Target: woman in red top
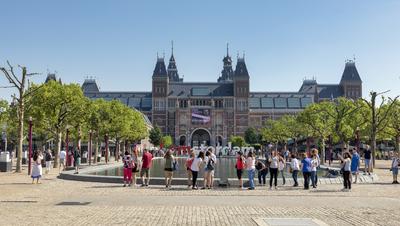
(239, 168)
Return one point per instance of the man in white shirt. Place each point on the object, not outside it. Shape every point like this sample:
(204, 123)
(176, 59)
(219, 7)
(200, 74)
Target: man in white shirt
(62, 155)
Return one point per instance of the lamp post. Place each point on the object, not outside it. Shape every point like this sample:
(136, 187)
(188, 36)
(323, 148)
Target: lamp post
(30, 146)
(358, 139)
(90, 147)
(106, 146)
(67, 146)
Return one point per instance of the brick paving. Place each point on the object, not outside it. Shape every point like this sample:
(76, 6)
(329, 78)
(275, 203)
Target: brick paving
(62, 202)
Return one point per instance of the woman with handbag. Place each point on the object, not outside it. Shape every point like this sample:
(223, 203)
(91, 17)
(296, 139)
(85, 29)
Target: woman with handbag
(169, 167)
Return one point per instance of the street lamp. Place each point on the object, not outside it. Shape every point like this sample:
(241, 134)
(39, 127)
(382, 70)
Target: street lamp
(30, 146)
(90, 147)
(106, 147)
(358, 139)
(67, 145)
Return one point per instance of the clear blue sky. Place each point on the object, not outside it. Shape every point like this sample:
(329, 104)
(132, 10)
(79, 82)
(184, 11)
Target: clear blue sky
(284, 41)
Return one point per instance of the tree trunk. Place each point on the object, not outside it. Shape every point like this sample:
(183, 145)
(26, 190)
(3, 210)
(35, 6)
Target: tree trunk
(323, 154)
(96, 150)
(21, 111)
(397, 139)
(117, 143)
(58, 150)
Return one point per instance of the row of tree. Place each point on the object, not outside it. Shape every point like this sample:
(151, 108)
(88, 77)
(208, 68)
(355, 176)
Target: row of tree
(54, 108)
(340, 121)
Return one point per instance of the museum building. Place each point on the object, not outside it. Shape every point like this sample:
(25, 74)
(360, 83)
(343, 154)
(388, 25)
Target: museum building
(196, 113)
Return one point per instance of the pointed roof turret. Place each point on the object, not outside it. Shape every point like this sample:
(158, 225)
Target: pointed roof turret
(172, 69)
(90, 86)
(159, 69)
(241, 69)
(51, 77)
(227, 71)
(350, 73)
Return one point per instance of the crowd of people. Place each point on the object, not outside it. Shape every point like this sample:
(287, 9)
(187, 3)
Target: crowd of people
(276, 163)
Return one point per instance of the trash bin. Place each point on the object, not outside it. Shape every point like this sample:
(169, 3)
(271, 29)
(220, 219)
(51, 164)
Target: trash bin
(5, 162)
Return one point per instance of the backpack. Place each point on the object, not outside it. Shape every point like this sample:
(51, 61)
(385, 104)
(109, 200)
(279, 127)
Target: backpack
(210, 164)
(174, 165)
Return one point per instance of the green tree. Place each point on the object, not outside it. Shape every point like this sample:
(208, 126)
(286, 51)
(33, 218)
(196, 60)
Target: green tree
(167, 141)
(251, 136)
(55, 107)
(316, 118)
(237, 141)
(155, 136)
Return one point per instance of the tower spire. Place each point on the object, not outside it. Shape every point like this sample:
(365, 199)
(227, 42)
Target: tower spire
(227, 49)
(172, 47)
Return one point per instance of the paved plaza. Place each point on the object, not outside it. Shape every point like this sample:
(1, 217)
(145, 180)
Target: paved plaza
(63, 202)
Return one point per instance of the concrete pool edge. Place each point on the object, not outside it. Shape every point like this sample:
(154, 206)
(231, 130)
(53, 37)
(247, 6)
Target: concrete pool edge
(85, 176)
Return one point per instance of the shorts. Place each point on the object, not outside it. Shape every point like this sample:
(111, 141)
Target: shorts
(168, 174)
(395, 171)
(239, 173)
(367, 162)
(135, 169)
(62, 162)
(145, 171)
(208, 172)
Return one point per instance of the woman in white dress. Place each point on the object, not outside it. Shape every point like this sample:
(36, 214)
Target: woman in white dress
(37, 167)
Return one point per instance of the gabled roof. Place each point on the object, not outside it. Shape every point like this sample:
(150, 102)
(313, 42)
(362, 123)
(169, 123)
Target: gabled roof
(350, 73)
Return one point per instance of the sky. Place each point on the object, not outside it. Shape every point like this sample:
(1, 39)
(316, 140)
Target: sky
(284, 41)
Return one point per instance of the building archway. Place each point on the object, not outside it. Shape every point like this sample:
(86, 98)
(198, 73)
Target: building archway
(182, 140)
(200, 136)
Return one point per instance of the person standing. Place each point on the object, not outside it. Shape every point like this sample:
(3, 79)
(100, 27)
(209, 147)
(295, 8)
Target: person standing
(208, 170)
(48, 157)
(212, 173)
(346, 166)
(168, 168)
(37, 167)
(273, 169)
(128, 165)
(135, 166)
(395, 167)
(62, 155)
(77, 160)
(146, 165)
(306, 170)
(251, 169)
(294, 165)
(367, 161)
(262, 171)
(355, 165)
(314, 165)
(195, 167)
(188, 164)
(240, 164)
(281, 168)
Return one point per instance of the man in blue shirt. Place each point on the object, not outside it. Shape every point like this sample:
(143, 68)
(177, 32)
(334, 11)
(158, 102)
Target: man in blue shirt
(355, 164)
(306, 169)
